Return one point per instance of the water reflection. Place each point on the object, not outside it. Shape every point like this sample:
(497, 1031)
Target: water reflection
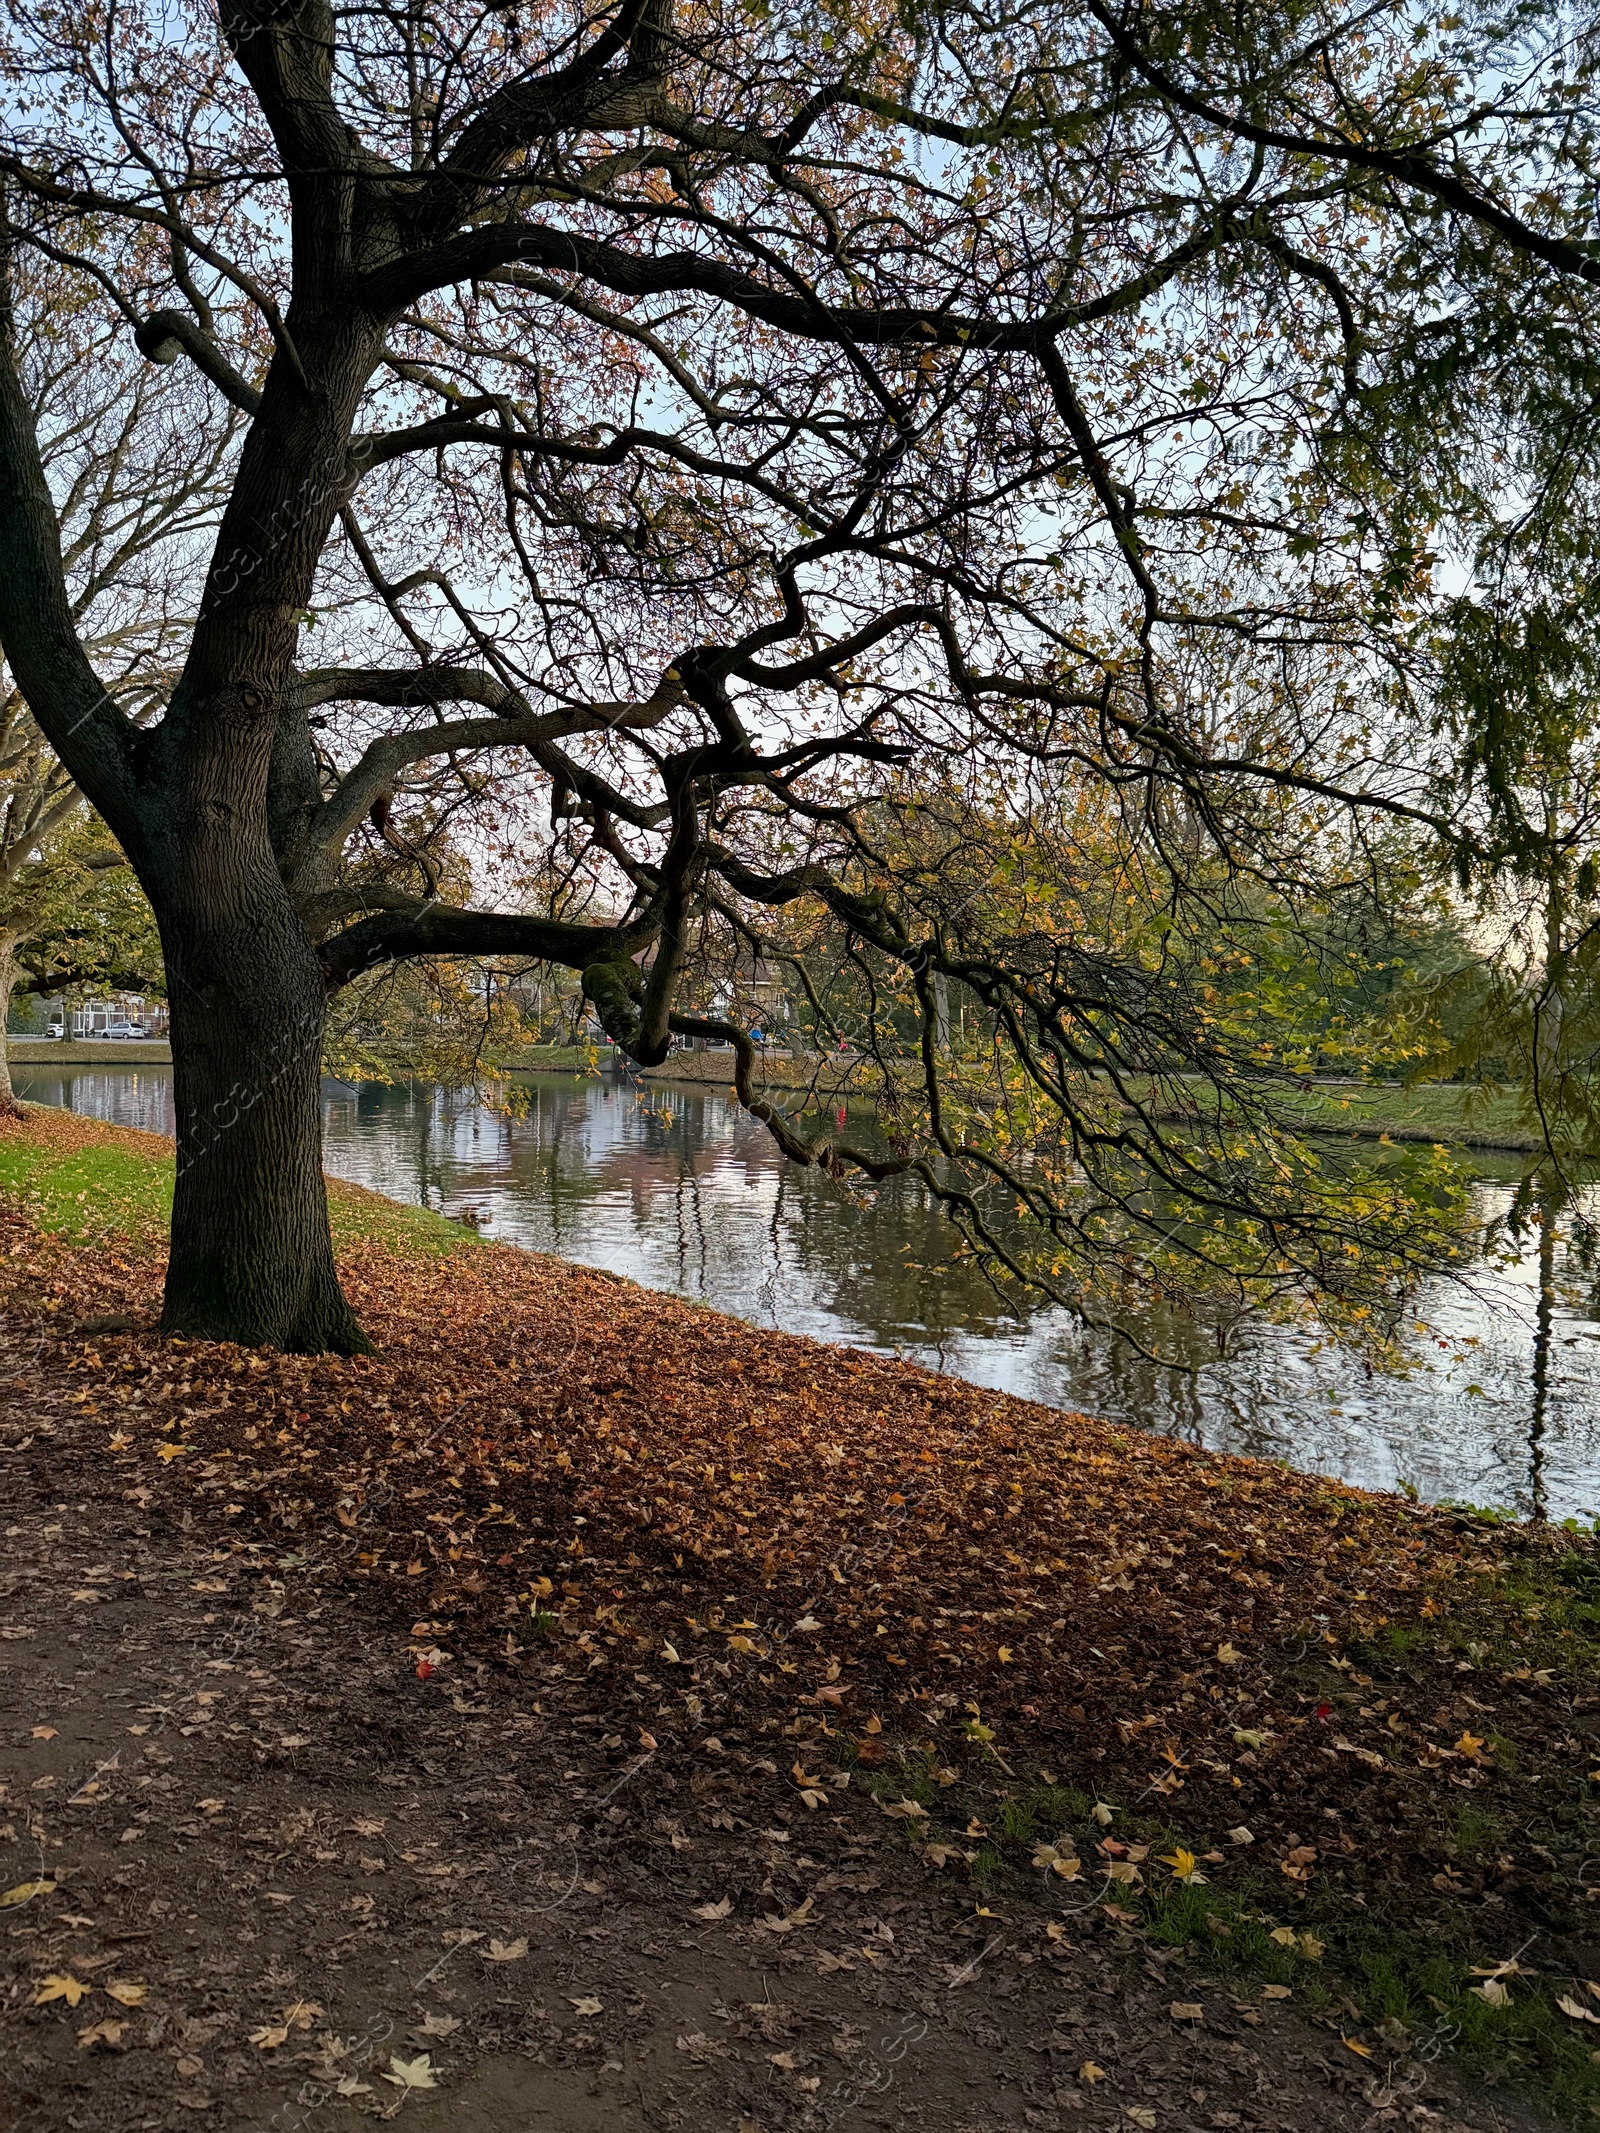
(678, 1189)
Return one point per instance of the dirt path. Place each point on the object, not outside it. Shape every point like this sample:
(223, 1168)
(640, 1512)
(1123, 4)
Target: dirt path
(307, 1868)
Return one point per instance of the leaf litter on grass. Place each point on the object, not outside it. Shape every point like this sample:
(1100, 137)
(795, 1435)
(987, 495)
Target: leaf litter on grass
(714, 1527)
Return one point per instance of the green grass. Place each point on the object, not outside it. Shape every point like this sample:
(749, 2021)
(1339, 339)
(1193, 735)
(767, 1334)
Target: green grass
(1382, 1983)
(100, 1190)
(1362, 1972)
(358, 1217)
(1442, 1111)
(1350, 1950)
(90, 1192)
(1435, 1112)
(554, 1058)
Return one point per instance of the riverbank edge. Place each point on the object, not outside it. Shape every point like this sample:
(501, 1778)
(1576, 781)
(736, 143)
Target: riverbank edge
(832, 1081)
(1500, 1143)
(85, 1051)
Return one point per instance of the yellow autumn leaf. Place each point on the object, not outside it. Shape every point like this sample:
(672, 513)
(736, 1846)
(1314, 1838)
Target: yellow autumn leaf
(411, 2073)
(1184, 1865)
(168, 1452)
(1059, 1859)
(24, 1892)
(60, 1985)
(126, 1994)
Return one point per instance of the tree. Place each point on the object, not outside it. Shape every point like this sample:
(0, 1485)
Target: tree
(1470, 141)
(132, 493)
(40, 800)
(72, 915)
(686, 433)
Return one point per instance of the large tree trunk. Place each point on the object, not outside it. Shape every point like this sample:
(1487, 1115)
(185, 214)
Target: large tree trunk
(252, 1260)
(9, 1107)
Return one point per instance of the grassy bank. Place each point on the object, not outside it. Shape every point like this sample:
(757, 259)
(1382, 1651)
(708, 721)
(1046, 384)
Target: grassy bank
(1339, 1747)
(1481, 1118)
(82, 1181)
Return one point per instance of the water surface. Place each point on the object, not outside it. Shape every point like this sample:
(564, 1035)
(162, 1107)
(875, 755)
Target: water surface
(679, 1189)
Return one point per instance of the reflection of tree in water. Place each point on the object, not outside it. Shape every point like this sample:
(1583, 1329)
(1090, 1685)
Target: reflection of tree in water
(1560, 1211)
(1543, 1357)
(680, 1189)
(137, 1097)
(745, 1232)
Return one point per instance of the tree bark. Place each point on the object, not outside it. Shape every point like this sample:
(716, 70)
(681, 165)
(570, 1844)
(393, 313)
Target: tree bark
(252, 1258)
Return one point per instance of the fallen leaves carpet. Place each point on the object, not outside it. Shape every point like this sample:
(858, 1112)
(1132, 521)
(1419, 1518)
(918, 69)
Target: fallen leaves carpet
(584, 1646)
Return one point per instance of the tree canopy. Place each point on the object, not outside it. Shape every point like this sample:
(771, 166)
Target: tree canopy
(671, 446)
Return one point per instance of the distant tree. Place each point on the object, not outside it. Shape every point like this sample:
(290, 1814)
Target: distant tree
(1520, 692)
(135, 479)
(72, 916)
